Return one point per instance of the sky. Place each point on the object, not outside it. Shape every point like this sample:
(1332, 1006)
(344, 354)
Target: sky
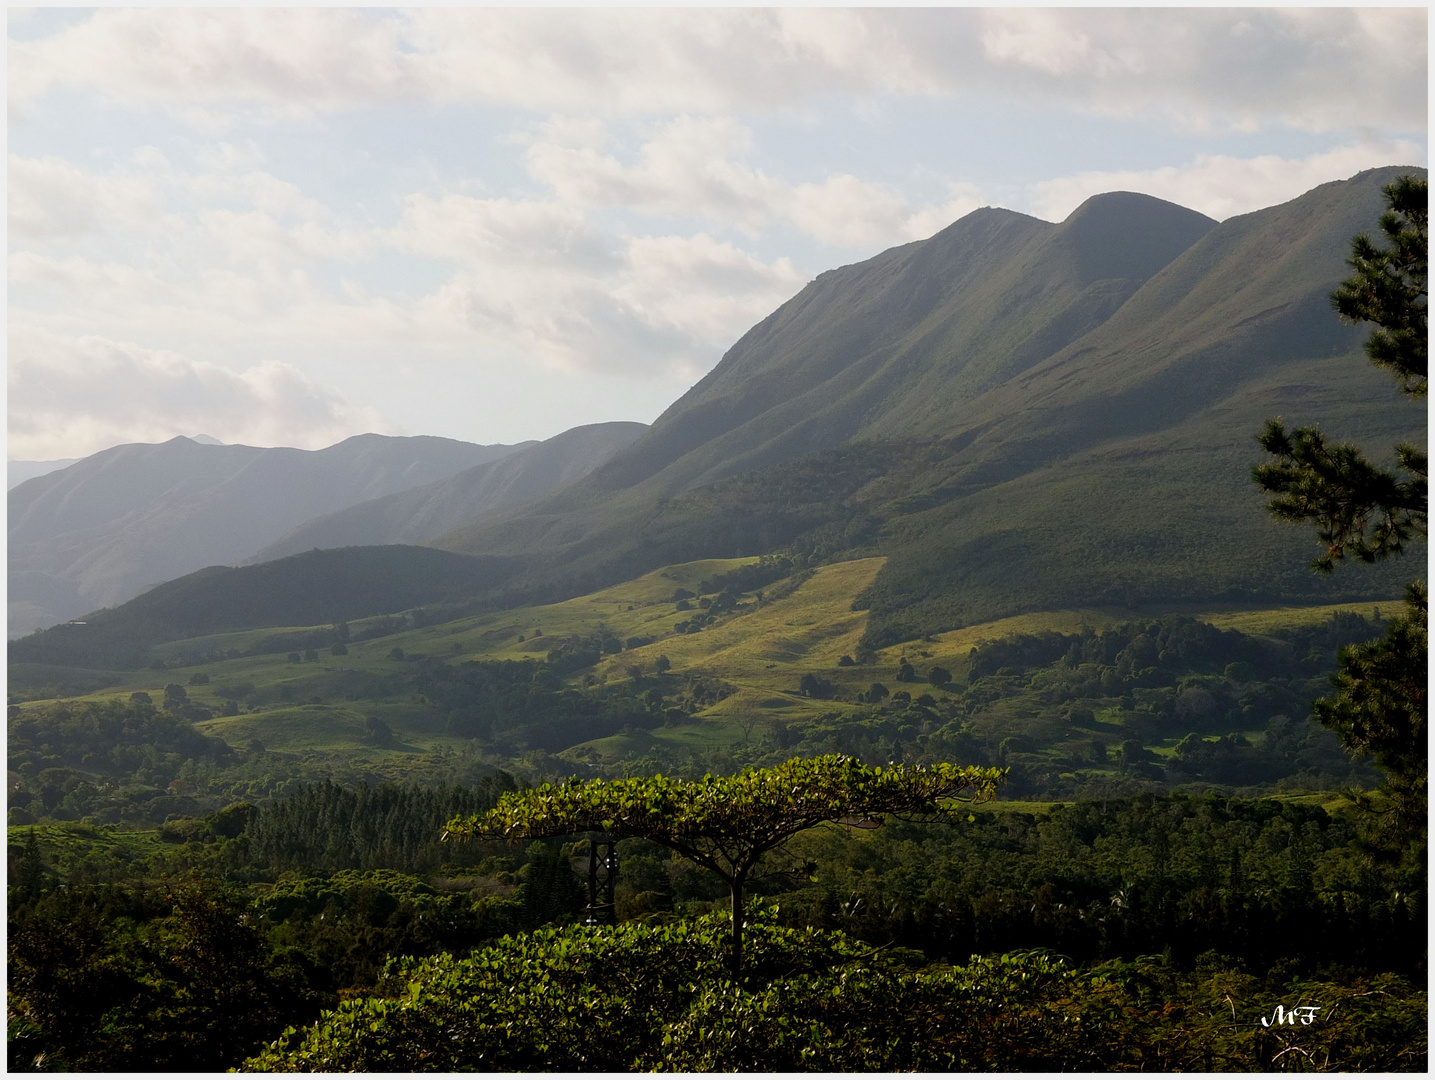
(286, 227)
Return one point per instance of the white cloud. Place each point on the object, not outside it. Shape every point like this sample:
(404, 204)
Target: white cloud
(1315, 69)
(662, 305)
(147, 206)
(228, 251)
(1221, 186)
(693, 168)
(709, 291)
(241, 262)
(1319, 69)
(502, 232)
(51, 198)
(71, 396)
(292, 61)
(1043, 41)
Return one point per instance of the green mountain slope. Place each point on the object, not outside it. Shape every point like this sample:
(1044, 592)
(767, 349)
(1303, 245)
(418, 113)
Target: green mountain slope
(991, 294)
(1021, 415)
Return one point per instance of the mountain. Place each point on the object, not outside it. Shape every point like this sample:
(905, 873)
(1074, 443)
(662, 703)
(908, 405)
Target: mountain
(307, 590)
(17, 472)
(895, 343)
(96, 533)
(421, 513)
(1019, 414)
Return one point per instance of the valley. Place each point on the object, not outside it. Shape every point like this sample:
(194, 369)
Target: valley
(713, 676)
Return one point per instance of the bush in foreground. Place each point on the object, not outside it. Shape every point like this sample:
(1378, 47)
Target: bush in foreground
(643, 997)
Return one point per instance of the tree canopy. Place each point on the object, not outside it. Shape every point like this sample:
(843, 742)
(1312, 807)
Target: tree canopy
(726, 824)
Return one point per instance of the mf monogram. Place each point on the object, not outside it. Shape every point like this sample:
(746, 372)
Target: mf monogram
(1305, 1014)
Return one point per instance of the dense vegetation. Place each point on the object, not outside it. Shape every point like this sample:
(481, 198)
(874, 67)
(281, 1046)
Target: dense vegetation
(652, 997)
(217, 894)
(1137, 706)
(1157, 903)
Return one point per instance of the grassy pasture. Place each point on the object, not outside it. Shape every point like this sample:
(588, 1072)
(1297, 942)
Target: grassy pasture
(1267, 619)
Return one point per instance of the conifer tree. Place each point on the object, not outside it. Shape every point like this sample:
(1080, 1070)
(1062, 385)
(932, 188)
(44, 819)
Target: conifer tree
(1369, 512)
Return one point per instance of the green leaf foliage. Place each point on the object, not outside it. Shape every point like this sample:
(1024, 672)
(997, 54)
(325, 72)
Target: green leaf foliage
(654, 997)
(1379, 710)
(726, 823)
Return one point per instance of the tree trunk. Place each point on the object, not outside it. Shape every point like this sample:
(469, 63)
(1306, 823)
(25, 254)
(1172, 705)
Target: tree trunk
(735, 951)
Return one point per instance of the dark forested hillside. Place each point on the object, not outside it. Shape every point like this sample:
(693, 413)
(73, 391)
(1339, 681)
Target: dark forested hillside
(302, 590)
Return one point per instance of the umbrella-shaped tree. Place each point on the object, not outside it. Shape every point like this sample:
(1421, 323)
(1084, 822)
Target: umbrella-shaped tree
(728, 823)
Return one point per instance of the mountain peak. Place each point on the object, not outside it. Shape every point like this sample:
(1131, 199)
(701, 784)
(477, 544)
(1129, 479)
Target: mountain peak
(1124, 234)
(1116, 203)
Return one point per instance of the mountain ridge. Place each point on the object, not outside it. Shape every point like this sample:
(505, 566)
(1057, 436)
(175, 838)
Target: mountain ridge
(422, 513)
(1242, 301)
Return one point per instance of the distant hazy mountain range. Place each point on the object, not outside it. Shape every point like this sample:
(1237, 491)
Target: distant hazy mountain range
(101, 530)
(17, 472)
(419, 514)
(1020, 415)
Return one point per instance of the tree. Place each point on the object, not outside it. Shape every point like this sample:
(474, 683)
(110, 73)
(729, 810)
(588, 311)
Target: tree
(727, 824)
(1389, 286)
(1379, 710)
(1359, 508)
(28, 881)
(939, 677)
(1369, 512)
